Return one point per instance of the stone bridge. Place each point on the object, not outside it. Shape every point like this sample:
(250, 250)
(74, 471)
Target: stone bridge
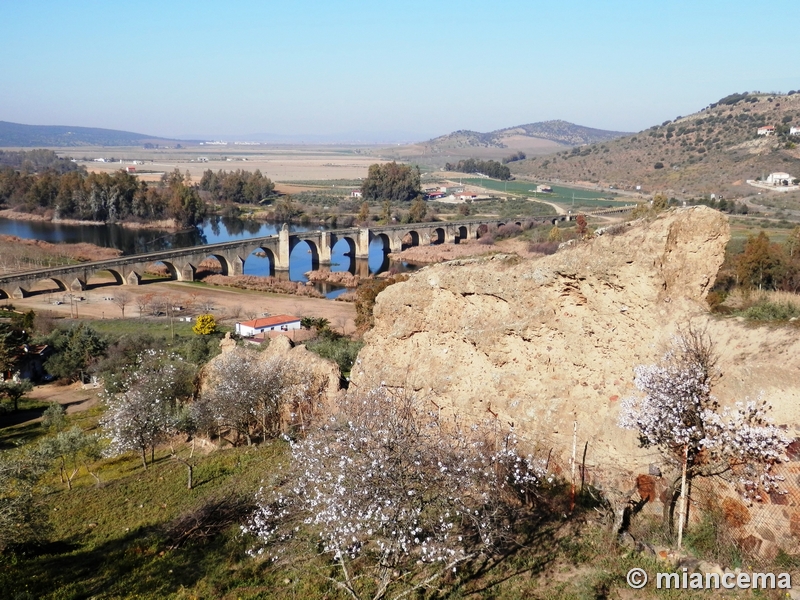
(182, 263)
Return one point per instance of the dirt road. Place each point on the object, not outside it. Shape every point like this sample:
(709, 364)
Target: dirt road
(226, 304)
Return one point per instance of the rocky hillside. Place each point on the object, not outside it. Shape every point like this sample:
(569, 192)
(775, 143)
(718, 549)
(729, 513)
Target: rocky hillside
(713, 151)
(532, 139)
(544, 341)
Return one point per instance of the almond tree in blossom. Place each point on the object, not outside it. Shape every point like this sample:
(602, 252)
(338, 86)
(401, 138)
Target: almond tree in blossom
(397, 496)
(248, 393)
(679, 416)
(145, 410)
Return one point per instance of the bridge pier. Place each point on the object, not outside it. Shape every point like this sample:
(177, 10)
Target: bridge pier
(282, 254)
(187, 272)
(77, 285)
(235, 265)
(362, 243)
(19, 293)
(133, 278)
(324, 247)
(450, 235)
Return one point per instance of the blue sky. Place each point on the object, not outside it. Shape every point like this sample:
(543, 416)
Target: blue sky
(391, 70)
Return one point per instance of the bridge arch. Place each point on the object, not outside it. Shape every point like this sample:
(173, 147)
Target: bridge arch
(438, 236)
(410, 239)
(344, 249)
(225, 266)
(462, 233)
(382, 240)
(4, 295)
(163, 269)
(481, 230)
(304, 246)
(261, 262)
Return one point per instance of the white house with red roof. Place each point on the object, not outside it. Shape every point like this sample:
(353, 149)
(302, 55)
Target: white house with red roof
(267, 324)
(766, 130)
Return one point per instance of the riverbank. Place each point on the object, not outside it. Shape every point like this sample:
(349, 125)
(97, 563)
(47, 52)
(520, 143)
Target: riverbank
(21, 254)
(47, 216)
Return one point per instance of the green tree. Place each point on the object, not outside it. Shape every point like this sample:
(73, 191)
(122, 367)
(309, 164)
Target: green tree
(363, 213)
(205, 325)
(77, 350)
(391, 181)
(14, 391)
(418, 210)
(72, 449)
(761, 264)
(792, 244)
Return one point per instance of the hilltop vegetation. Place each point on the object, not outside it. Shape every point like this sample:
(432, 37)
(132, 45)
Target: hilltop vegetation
(529, 139)
(713, 151)
(26, 136)
(558, 131)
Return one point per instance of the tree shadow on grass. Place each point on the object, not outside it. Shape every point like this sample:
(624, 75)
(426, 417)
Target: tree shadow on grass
(134, 565)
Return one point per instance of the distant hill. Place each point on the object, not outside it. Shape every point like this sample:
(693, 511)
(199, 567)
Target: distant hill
(17, 135)
(712, 151)
(532, 139)
(561, 132)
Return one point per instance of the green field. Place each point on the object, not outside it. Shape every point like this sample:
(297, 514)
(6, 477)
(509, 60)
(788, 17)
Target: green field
(560, 195)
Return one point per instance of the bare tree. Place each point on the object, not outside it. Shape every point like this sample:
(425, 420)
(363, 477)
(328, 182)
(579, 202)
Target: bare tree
(122, 299)
(143, 303)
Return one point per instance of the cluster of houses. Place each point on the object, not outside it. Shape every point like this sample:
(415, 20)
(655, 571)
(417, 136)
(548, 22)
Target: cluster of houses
(770, 130)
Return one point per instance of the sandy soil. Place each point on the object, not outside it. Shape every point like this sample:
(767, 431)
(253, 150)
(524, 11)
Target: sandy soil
(279, 163)
(228, 305)
(73, 398)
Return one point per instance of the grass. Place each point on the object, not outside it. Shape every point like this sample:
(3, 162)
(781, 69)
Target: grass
(116, 541)
(111, 542)
(560, 195)
(764, 305)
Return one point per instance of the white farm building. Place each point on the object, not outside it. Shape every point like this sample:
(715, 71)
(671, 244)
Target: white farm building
(779, 179)
(267, 325)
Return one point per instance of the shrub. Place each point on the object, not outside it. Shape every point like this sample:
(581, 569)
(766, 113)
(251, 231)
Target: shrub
(205, 325)
(487, 239)
(508, 230)
(543, 247)
(772, 311)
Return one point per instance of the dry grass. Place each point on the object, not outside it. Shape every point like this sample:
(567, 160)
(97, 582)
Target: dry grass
(17, 254)
(741, 299)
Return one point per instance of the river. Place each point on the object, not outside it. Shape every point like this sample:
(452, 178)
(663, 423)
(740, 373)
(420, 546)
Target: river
(213, 230)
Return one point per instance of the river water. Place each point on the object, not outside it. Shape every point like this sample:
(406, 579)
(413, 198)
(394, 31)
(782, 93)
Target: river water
(213, 230)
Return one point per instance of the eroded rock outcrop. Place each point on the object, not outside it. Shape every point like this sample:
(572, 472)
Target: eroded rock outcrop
(545, 342)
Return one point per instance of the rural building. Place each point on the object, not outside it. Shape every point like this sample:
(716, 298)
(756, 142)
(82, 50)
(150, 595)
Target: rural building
(267, 324)
(544, 189)
(130, 169)
(463, 196)
(435, 195)
(766, 130)
(779, 179)
(794, 131)
(355, 194)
